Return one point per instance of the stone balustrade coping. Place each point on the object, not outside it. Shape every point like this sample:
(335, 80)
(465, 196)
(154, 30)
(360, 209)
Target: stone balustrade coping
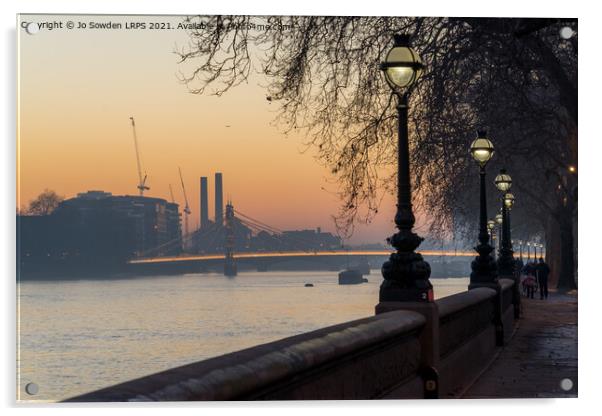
(237, 374)
(462, 301)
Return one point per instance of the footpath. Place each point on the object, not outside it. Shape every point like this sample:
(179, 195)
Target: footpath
(541, 358)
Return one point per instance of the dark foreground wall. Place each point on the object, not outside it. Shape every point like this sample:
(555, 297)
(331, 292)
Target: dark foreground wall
(376, 357)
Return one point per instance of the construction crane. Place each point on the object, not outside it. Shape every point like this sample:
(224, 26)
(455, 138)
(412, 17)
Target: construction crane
(141, 181)
(186, 207)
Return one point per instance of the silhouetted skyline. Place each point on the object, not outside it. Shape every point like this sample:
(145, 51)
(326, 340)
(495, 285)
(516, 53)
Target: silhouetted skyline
(83, 140)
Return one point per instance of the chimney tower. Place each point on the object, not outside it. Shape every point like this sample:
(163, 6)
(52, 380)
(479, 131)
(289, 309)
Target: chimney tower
(219, 200)
(204, 203)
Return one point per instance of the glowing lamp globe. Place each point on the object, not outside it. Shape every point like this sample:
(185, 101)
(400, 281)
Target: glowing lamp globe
(481, 148)
(508, 200)
(503, 181)
(402, 66)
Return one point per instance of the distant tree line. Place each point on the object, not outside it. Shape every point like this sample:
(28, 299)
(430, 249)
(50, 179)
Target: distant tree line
(44, 204)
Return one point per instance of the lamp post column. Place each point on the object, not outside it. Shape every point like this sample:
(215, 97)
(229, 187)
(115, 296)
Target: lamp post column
(500, 230)
(406, 273)
(506, 259)
(483, 266)
(404, 218)
(508, 266)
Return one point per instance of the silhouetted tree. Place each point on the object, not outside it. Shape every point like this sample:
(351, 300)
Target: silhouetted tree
(516, 77)
(44, 203)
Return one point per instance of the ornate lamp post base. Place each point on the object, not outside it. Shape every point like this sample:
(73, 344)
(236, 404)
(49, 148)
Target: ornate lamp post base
(484, 268)
(406, 273)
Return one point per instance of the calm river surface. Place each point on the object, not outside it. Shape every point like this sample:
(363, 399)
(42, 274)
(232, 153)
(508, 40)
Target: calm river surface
(78, 336)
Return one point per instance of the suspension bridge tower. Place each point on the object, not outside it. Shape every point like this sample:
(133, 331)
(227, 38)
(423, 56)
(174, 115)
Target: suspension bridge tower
(229, 261)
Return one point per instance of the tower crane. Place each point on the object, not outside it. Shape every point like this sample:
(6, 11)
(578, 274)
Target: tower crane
(186, 207)
(141, 181)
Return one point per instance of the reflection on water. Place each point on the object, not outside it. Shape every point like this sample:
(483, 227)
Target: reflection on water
(78, 336)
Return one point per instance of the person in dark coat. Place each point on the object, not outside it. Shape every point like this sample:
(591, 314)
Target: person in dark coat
(542, 271)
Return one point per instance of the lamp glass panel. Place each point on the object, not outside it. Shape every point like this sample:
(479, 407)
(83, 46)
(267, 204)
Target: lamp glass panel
(402, 76)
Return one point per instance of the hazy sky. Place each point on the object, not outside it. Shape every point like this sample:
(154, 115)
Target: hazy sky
(78, 88)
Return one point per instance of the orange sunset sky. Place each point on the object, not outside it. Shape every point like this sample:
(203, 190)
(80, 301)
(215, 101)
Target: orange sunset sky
(78, 88)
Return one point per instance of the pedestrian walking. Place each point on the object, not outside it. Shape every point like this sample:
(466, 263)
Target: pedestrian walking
(542, 271)
(528, 280)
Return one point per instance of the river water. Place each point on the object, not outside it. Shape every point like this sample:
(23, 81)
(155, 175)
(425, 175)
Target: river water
(78, 336)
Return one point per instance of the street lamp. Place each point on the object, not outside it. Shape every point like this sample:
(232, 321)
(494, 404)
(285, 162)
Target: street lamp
(491, 224)
(509, 203)
(406, 274)
(499, 219)
(503, 181)
(505, 262)
(508, 200)
(483, 266)
(528, 252)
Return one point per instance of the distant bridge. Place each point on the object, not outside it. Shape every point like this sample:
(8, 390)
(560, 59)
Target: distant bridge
(301, 249)
(292, 254)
